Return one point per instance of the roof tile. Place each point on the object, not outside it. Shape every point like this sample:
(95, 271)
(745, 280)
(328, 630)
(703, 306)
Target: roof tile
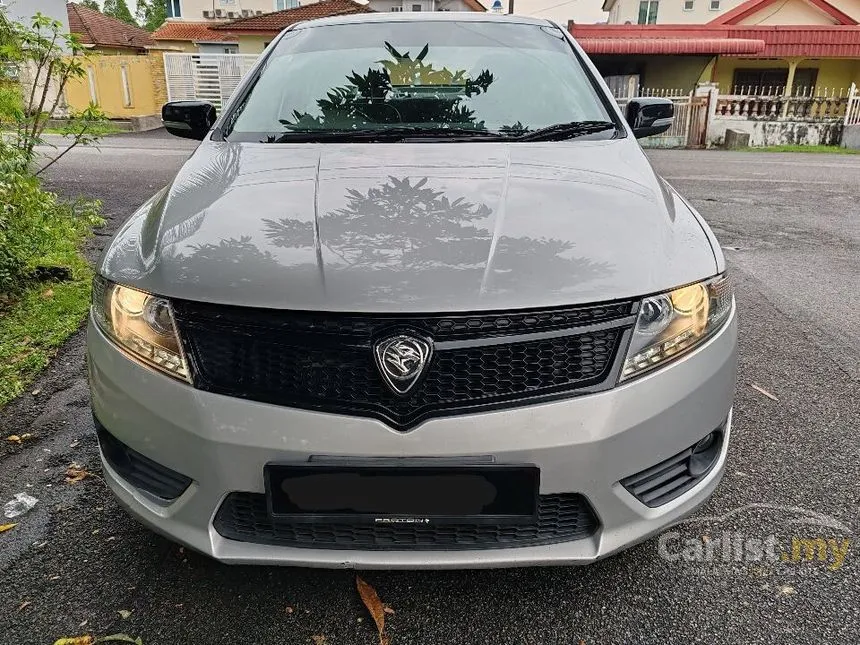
(193, 31)
(278, 20)
(95, 28)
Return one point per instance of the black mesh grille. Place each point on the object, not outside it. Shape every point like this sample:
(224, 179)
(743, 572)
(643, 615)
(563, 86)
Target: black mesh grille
(358, 327)
(326, 363)
(141, 472)
(672, 477)
(561, 518)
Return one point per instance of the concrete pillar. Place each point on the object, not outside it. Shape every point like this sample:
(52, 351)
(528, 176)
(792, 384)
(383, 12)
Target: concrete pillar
(789, 83)
(159, 82)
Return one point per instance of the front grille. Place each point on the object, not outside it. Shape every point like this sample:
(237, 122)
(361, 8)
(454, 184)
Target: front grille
(139, 471)
(325, 361)
(561, 518)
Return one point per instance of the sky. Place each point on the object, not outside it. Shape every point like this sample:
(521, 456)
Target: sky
(587, 11)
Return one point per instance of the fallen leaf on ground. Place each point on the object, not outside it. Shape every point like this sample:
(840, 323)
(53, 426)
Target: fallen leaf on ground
(387, 609)
(288, 609)
(7, 527)
(374, 605)
(761, 390)
(124, 613)
(76, 640)
(75, 473)
(14, 439)
(36, 392)
(48, 293)
(120, 638)
(318, 639)
(24, 605)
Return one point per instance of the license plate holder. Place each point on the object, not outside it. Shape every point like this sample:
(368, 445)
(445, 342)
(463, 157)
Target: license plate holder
(401, 494)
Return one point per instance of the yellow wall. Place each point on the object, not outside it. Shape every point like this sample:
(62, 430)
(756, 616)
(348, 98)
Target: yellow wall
(105, 73)
(178, 46)
(253, 44)
(676, 72)
(837, 73)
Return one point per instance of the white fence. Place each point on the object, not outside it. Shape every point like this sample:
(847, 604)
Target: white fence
(852, 108)
(205, 77)
(686, 127)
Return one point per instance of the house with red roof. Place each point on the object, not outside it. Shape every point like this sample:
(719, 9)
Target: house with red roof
(256, 32)
(106, 35)
(195, 37)
(250, 34)
(791, 47)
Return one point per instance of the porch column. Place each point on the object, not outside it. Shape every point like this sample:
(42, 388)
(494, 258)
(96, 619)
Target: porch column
(789, 83)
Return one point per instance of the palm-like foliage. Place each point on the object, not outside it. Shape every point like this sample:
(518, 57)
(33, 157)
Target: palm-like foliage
(404, 90)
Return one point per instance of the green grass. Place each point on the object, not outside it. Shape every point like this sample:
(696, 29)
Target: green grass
(36, 322)
(796, 148)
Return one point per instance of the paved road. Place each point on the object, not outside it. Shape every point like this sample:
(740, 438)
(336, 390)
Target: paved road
(792, 227)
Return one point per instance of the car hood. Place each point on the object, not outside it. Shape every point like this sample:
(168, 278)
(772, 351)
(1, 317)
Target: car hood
(412, 227)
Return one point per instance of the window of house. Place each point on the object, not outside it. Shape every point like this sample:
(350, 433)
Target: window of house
(715, 5)
(648, 12)
(396, 9)
(773, 81)
(174, 9)
(416, 7)
(688, 5)
(280, 5)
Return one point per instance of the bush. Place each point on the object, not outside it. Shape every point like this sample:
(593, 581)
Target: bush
(11, 103)
(33, 221)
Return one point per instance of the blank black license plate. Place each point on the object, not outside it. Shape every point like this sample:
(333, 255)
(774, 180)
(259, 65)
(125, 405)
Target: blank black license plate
(402, 494)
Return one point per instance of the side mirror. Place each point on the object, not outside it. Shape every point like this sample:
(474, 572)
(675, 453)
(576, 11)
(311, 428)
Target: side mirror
(650, 116)
(188, 119)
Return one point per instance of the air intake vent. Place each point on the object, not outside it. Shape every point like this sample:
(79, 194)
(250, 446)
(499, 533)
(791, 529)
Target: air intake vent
(139, 471)
(561, 518)
(675, 476)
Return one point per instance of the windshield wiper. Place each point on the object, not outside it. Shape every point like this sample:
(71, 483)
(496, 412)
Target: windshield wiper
(383, 134)
(561, 131)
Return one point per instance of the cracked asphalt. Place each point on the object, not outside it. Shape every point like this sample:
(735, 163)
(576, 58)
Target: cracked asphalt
(790, 224)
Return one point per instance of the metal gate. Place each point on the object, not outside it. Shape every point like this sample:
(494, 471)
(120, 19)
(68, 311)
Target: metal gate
(205, 77)
(852, 109)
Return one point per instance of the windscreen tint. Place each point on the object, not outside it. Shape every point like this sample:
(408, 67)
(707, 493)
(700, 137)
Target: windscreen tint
(494, 76)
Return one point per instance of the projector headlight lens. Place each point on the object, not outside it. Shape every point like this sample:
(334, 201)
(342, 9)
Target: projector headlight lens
(673, 323)
(141, 324)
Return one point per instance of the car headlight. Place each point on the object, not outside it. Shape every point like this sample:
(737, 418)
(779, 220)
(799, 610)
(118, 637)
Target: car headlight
(141, 324)
(670, 324)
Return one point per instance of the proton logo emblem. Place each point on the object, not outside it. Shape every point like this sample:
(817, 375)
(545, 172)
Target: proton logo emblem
(401, 360)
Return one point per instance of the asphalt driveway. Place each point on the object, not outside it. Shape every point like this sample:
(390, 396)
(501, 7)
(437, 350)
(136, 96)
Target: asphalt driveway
(791, 227)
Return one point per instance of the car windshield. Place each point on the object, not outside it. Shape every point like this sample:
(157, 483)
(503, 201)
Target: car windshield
(446, 78)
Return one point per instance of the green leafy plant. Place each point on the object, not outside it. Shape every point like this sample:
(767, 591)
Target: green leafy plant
(45, 59)
(404, 90)
(151, 14)
(118, 9)
(44, 279)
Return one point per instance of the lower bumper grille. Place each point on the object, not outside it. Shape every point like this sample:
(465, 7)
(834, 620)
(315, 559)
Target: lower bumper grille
(561, 518)
(139, 471)
(676, 475)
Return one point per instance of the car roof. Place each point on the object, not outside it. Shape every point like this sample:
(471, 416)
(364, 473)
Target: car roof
(423, 16)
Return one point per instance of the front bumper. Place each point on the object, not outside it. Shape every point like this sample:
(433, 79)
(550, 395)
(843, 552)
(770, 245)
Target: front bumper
(583, 444)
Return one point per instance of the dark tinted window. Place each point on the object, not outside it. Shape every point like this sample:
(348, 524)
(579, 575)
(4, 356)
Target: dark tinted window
(493, 76)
